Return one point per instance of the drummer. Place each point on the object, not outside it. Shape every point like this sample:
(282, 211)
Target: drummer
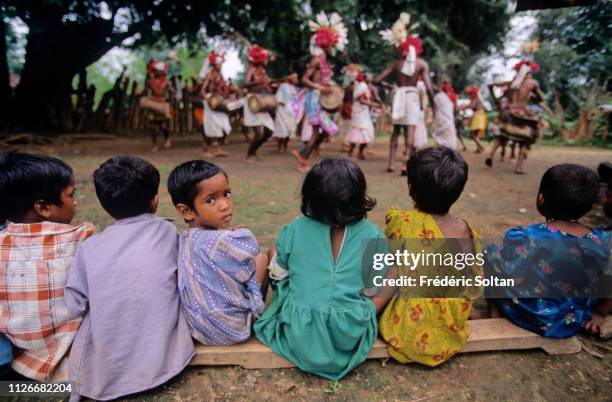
(159, 89)
(409, 68)
(257, 81)
(216, 122)
(329, 35)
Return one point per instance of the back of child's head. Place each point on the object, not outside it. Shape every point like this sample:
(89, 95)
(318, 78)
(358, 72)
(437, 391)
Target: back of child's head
(26, 179)
(568, 191)
(183, 180)
(126, 186)
(436, 178)
(334, 193)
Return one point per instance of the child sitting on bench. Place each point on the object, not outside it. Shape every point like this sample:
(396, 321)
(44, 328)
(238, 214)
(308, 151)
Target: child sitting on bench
(430, 330)
(123, 281)
(551, 261)
(36, 249)
(220, 269)
(319, 319)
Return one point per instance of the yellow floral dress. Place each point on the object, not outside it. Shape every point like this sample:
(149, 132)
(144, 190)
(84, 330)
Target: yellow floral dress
(424, 330)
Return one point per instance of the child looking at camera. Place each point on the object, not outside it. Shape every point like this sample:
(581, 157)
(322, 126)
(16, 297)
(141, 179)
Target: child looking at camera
(220, 269)
(319, 318)
(123, 281)
(559, 256)
(419, 329)
(36, 248)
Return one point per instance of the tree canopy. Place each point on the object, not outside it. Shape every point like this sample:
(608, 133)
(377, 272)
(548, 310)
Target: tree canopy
(66, 36)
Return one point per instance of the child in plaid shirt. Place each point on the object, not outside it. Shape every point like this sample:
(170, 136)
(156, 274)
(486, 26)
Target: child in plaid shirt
(36, 249)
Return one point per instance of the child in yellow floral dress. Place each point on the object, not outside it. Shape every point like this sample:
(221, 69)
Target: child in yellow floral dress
(429, 330)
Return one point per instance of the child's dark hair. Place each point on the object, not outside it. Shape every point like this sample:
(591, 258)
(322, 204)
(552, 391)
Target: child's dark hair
(126, 185)
(183, 180)
(334, 192)
(436, 177)
(26, 179)
(569, 191)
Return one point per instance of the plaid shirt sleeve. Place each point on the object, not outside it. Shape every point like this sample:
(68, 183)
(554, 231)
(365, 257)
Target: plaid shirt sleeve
(34, 262)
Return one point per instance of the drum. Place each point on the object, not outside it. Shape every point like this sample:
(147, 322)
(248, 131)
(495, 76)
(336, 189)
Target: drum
(262, 103)
(331, 99)
(216, 103)
(162, 108)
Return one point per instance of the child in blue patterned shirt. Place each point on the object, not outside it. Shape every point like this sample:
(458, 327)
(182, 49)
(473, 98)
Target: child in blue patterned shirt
(220, 269)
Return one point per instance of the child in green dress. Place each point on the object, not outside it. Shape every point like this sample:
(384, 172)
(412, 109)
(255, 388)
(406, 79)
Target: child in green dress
(319, 318)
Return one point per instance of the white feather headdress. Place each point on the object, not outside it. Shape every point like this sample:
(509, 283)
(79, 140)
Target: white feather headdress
(325, 24)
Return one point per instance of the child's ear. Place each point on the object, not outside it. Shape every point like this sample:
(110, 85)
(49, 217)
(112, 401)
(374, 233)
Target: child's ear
(154, 204)
(43, 209)
(186, 212)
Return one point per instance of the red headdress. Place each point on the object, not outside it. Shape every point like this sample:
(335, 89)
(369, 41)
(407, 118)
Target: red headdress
(450, 91)
(326, 38)
(155, 65)
(214, 58)
(361, 76)
(532, 64)
(258, 55)
(411, 41)
(472, 90)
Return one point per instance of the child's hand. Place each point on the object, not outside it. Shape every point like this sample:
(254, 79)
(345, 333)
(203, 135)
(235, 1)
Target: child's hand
(594, 325)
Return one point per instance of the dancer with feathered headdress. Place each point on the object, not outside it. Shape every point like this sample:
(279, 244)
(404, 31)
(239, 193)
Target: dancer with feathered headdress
(329, 36)
(517, 123)
(214, 90)
(409, 68)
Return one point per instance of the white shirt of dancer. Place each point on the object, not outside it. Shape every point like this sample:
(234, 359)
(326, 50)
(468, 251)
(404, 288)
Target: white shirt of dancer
(362, 128)
(285, 123)
(445, 132)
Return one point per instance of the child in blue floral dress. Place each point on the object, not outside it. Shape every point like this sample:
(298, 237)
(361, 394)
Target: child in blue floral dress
(550, 273)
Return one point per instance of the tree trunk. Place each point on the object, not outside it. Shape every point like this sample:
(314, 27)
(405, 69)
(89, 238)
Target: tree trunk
(5, 89)
(55, 53)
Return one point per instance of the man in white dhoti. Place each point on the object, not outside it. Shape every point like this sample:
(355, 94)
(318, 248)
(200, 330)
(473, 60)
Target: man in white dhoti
(285, 121)
(214, 89)
(409, 68)
(257, 81)
(445, 132)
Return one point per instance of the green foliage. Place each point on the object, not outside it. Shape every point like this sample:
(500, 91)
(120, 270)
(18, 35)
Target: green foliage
(575, 53)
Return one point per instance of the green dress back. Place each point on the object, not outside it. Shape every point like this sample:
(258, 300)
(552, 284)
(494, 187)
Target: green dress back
(319, 318)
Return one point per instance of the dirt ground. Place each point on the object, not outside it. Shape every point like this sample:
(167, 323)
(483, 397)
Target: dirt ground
(266, 197)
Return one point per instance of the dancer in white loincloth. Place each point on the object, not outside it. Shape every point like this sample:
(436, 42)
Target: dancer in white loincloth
(216, 122)
(409, 68)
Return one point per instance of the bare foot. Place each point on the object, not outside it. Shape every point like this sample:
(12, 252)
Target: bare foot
(167, 143)
(207, 154)
(390, 170)
(299, 157)
(303, 168)
(155, 149)
(489, 162)
(250, 159)
(478, 150)
(593, 326)
(220, 153)
(519, 171)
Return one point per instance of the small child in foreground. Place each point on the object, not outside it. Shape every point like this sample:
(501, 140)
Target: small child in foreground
(123, 281)
(319, 319)
(36, 249)
(559, 256)
(429, 330)
(220, 269)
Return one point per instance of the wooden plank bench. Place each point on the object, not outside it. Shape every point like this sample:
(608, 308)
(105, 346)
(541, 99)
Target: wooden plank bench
(487, 334)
